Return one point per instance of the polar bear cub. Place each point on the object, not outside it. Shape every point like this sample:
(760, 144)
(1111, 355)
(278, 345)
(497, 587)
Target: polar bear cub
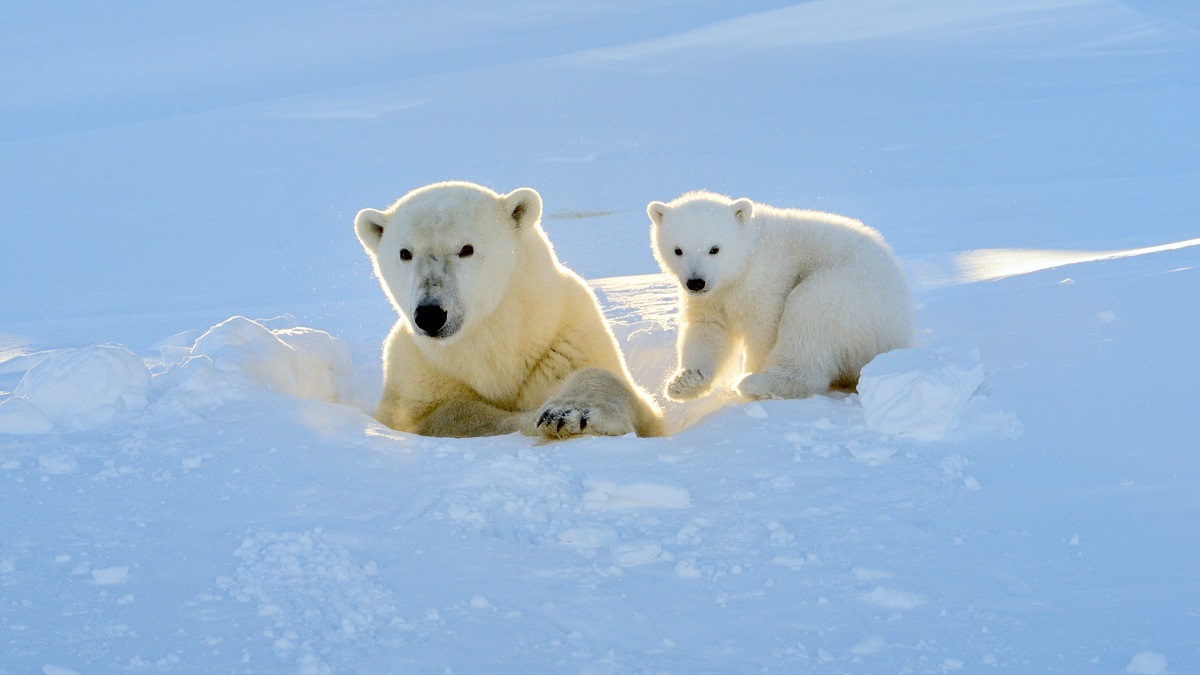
(808, 297)
(494, 334)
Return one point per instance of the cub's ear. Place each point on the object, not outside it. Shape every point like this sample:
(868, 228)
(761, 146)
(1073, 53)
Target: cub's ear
(524, 207)
(368, 225)
(743, 210)
(656, 211)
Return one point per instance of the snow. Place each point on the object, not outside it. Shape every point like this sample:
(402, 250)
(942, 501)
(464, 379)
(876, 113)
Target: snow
(111, 575)
(1147, 663)
(84, 388)
(920, 392)
(190, 478)
(19, 416)
(892, 598)
(239, 352)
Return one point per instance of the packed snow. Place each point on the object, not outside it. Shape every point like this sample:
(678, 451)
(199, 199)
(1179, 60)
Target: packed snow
(190, 476)
(83, 388)
(921, 392)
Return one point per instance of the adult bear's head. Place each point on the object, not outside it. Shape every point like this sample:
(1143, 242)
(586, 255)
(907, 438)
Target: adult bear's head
(445, 253)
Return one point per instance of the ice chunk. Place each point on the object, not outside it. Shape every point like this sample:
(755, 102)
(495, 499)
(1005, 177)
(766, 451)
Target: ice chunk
(18, 416)
(637, 553)
(872, 644)
(589, 536)
(324, 369)
(57, 463)
(892, 598)
(604, 495)
(110, 575)
(242, 346)
(1147, 663)
(174, 349)
(238, 352)
(920, 392)
(84, 388)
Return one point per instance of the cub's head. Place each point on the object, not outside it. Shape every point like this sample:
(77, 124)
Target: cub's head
(702, 239)
(445, 253)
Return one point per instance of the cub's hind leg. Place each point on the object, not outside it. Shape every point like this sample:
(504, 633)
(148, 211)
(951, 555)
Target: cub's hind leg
(810, 344)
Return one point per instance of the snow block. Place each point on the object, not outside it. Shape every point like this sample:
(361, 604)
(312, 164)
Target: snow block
(244, 347)
(84, 388)
(920, 392)
(298, 361)
(324, 369)
(18, 416)
(608, 496)
(1147, 663)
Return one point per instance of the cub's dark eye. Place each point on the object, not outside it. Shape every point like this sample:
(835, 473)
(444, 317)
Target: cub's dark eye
(466, 251)
(714, 250)
(678, 251)
(405, 254)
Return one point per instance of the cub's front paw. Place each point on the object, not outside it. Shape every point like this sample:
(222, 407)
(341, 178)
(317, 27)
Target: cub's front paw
(775, 383)
(688, 384)
(563, 420)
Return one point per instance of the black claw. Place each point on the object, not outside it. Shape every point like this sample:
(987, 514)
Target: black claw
(545, 416)
(583, 421)
(561, 421)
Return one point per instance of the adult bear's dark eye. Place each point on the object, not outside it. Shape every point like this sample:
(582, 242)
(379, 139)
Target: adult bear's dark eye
(714, 250)
(678, 251)
(466, 251)
(405, 254)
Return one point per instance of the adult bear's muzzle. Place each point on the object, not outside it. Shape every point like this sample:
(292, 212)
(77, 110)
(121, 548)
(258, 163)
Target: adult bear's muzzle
(430, 319)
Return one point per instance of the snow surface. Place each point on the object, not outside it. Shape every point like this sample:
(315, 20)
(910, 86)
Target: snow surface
(920, 392)
(190, 480)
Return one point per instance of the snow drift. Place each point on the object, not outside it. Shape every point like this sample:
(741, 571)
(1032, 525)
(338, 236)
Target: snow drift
(82, 389)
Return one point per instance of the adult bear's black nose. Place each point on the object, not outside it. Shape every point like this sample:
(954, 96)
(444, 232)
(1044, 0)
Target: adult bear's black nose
(695, 285)
(430, 319)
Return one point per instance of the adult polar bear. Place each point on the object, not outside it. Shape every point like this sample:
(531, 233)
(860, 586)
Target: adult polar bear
(811, 297)
(495, 335)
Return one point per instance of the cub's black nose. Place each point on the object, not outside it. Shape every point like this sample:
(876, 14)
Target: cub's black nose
(430, 318)
(695, 285)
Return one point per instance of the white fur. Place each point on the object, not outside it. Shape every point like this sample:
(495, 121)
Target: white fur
(808, 297)
(524, 345)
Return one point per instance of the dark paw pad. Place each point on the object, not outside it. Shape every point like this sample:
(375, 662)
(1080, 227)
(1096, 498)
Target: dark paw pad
(563, 422)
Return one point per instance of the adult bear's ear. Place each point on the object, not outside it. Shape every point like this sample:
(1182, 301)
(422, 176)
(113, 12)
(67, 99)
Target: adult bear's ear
(656, 211)
(368, 225)
(743, 210)
(524, 207)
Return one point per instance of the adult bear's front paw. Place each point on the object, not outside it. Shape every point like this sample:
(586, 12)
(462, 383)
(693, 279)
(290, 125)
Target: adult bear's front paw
(563, 420)
(687, 384)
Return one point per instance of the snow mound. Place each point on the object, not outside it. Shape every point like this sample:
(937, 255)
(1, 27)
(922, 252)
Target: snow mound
(920, 392)
(891, 598)
(1147, 663)
(239, 355)
(324, 369)
(19, 416)
(76, 389)
(82, 389)
(605, 496)
(298, 361)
